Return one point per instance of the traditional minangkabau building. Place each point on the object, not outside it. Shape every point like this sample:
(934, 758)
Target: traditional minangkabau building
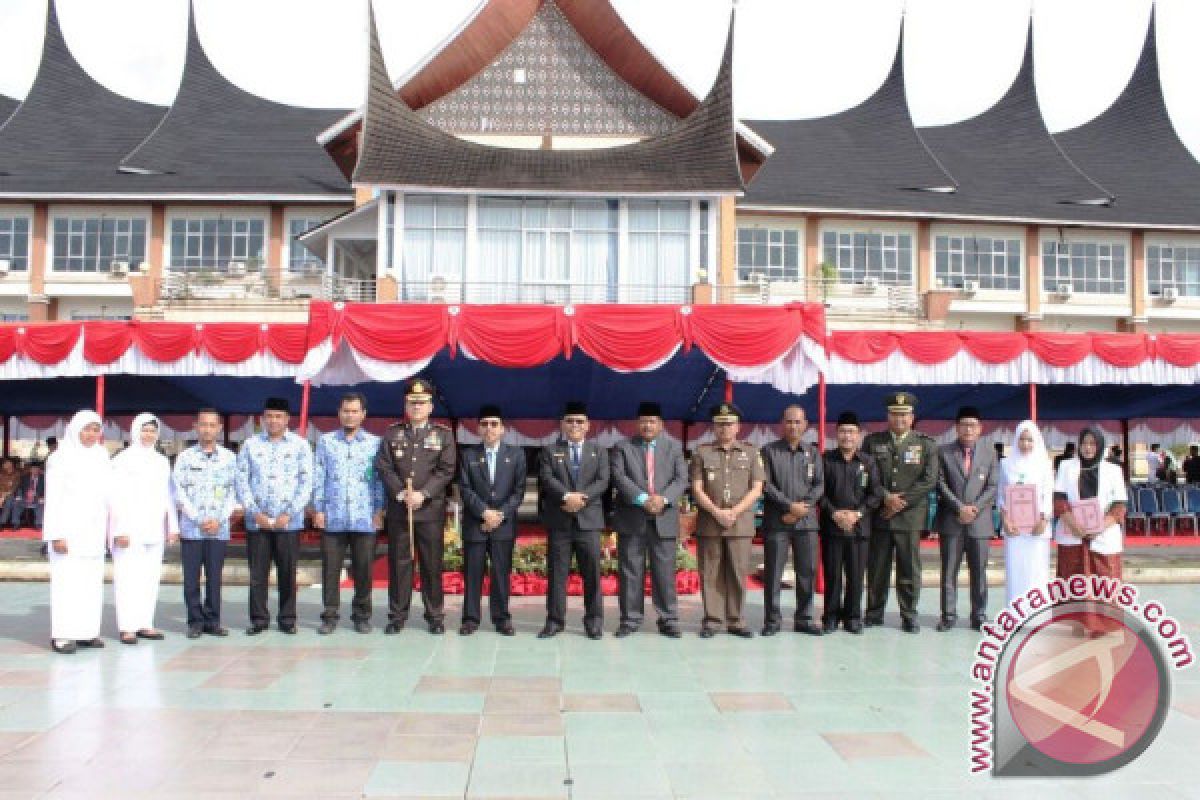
(543, 154)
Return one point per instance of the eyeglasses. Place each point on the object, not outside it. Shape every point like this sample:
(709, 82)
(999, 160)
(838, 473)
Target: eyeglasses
(575, 420)
(490, 423)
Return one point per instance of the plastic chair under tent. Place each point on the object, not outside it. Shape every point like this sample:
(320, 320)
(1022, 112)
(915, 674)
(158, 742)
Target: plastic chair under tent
(1158, 522)
(1181, 520)
(1190, 498)
(1136, 523)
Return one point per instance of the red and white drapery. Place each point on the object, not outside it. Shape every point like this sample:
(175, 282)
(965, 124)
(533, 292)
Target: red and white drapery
(355, 342)
(914, 358)
(77, 349)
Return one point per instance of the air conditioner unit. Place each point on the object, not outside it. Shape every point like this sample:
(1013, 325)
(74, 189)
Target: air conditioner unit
(1170, 294)
(140, 267)
(119, 267)
(237, 267)
(970, 288)
(870, 285)
(1065, 290)
(5, 265)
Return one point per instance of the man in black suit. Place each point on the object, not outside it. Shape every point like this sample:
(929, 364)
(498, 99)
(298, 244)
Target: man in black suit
(650, 475)
(573, 478)
(30, 496)
(491, 480)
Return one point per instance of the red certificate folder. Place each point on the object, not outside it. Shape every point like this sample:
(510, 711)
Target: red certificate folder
(1088, 515)
(1021, 503)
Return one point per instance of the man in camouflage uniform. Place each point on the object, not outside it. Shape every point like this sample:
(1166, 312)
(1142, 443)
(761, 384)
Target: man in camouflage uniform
(727, 479)
(907, 462)
(422, 452)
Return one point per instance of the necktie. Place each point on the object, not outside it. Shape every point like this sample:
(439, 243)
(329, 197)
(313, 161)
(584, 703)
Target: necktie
(967, 460)
(650, 467)
(491, 464)
(575, 462)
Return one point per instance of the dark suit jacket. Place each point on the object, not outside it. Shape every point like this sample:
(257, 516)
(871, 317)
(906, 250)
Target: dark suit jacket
(39, 489)
(479, 493)
(554, 479)
(956, 489)
(629, 476)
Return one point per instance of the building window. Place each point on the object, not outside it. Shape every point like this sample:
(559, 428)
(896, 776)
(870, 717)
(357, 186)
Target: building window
(1174, 266)
(702, 261)
(13, 317)
(97, 316)
(14, 242)
(92, 244)
(988, 262)
(1091, 267)
(435, 242)
(217, 242)
(300, 258)
(659, 258)
(772, 252)
(884, 257)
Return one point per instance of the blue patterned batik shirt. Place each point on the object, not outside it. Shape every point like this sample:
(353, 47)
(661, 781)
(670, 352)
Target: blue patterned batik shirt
(275, 477)
(204, 489)
(346, 489)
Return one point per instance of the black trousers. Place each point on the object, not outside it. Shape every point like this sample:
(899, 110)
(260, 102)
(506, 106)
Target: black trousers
(493, 556)
(952, 550)
(845, 561)
(264, 548)
(903, 547)
(585, 546)
(430, 541)
(803, 545)
(633, 550)
(207, 554)
(362, 556)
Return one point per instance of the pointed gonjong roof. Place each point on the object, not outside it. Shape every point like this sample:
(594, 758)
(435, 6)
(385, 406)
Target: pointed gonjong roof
(1134, 150)
(399, 149)
(867, 157)
(69, 134)
(219, 138)
(7, 106)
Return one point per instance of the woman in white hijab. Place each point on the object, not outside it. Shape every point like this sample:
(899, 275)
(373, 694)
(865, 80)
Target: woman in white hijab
(144, 518)
(1027, 555)
(78, 490)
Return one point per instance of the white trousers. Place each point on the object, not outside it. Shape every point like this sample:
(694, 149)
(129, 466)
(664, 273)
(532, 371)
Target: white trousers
(136, 573)
(76, 595)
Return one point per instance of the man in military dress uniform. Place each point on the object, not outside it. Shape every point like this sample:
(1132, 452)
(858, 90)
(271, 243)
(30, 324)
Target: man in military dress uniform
(416, 461)
(908, 469)
(727, 480)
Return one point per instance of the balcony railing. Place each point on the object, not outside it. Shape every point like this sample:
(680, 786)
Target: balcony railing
(183, 288)
(539, 292)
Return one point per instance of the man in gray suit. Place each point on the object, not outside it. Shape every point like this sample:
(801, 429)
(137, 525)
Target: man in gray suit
(966, 494)
(573, 477)
(491, 480)
(650, 475)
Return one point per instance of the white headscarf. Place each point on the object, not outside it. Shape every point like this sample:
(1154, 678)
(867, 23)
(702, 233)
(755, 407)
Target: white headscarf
(71, 452)
(78, 483)
(1032, 467)
(136, 449)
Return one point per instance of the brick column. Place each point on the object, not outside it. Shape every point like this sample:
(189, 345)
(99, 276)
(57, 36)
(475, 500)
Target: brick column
(726, 257)
(1137, 284)
(274, 266)
(814, 292)
(1031, 319)
(924, 259)
(40, 308)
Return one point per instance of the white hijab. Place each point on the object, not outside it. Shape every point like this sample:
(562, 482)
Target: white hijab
(71, 454)
(78, 486)
(1032, 467)
(138, 453)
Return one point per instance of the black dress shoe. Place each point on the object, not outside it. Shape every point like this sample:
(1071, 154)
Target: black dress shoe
(327, 627)
(217, 630)
(977, 624)
(548, 630)
(624, 630)
(94, 643)
(255, 630)
(769, 630)
(64, 646)
(595, 633)
(910, 626)
(194, 631)
(127, 638)
(506, 629)
(742, 633)
(150, 633)
(393, 627)
(808, 627)
(670, 631)
(707, 633)
(854, 626)
(437, 628)
(467, 628)
(289, 629)
(944, 625)
(830, 627)
(362, 626)
(872, 623)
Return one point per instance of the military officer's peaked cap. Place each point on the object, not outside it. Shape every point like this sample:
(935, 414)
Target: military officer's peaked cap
(901, 401)
(418, 389)
(490, 412)
(650, 410)
(726, 412)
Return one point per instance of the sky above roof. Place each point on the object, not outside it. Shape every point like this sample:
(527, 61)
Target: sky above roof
(794, 58)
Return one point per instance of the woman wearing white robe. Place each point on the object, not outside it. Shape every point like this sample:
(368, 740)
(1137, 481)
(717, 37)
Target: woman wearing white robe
(1027, 555)
(78, 494)
(143, 519)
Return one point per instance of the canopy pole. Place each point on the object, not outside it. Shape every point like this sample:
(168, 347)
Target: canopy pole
(822, 412)
(1033, 403)
(100, 396)
(1127, 461)
(7, 434)
(304, 409)
(728, 391)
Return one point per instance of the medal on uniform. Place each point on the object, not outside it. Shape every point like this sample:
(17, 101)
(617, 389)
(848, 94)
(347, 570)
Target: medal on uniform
(433, 441)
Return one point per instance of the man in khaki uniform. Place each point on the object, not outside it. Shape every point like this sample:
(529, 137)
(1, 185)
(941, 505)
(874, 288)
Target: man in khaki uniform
(416, 461)
(908, 469)
(727, 479)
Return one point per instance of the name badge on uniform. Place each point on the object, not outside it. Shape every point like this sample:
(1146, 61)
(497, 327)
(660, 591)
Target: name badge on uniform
(433, 441)
(710, 475)
(912, 454)
(812, 471)
(881, 449)
(862, 476)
